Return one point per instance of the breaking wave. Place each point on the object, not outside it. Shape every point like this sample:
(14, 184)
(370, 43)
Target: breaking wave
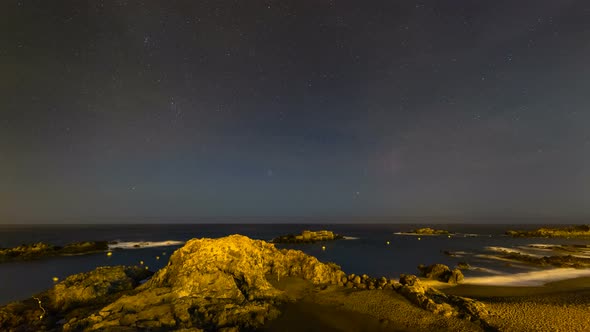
(144, 244)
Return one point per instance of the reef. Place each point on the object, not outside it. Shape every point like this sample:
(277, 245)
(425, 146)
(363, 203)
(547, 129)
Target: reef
(581, 231)
(43, 250)
(308, 237)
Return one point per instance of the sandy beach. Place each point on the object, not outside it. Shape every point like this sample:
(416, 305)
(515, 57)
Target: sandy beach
(557, 306)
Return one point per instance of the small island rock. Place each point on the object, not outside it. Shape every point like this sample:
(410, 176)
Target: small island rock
(308, 237)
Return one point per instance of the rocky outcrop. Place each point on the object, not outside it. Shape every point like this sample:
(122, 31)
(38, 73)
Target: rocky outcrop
(77, 295)
(308, 237)
(366, 282)
(209, 284)
(439, 303)
(441, 272)
(582, 231)
(430, 231)
(42, 250)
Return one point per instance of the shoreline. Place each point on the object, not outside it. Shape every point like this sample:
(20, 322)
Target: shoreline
(559, 305)
(324, 304)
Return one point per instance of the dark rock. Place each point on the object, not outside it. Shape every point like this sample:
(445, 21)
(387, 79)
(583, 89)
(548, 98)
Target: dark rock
(408, 279)
(582, 231)
(455, 277)
(43, 250)
(463, 266)
(441, 272)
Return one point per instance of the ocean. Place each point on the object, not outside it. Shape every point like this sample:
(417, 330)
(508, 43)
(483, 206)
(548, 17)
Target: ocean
(373, 249)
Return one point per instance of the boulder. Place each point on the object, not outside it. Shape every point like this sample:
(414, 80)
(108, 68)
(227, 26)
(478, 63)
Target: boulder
(455, 277)
(441, 272)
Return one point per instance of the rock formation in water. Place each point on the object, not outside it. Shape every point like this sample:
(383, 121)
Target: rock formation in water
(43, 250)
(570, 231)
(308, 237)
(441, 272)
(429, 231)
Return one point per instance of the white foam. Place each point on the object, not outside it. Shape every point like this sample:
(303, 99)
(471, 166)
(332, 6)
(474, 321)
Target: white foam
(534, 278)
(416, 234)
(144, 244)
(512, 250)
(350, 238)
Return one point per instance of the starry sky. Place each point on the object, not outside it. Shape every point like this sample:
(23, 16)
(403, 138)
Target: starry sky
(181, 110)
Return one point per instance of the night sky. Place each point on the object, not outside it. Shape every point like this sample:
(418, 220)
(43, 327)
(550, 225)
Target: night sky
(184, 110)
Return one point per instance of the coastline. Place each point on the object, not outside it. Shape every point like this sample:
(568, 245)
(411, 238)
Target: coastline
(559, 305)
(556, 306)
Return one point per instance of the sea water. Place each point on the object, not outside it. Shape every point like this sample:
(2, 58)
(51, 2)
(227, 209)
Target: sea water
(375, 249)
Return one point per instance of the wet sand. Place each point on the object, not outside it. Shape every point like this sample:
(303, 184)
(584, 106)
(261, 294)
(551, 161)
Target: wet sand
(557, 306)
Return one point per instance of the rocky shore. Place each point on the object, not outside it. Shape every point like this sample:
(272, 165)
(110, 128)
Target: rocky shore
(578, 231)
(43, 250)
(308, 237)
(226, 284)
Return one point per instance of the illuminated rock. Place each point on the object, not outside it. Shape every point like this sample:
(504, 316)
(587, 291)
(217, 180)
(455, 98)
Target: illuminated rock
(212, 284)
(441, 272)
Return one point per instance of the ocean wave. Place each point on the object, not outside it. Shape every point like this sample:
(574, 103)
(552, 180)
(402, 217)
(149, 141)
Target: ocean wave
(416, 234)
(534, 278)
(144, 244)
(512, 251)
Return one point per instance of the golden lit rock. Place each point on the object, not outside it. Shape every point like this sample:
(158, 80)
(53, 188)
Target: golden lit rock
(55, 279)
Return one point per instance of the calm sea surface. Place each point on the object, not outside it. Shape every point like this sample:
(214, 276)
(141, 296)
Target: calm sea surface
(366, 250)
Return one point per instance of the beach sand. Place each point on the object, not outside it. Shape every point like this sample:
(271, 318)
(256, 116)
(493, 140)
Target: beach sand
(557, 306)
(342, 309)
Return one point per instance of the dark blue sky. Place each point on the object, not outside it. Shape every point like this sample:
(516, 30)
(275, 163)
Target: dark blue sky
(178, 110)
